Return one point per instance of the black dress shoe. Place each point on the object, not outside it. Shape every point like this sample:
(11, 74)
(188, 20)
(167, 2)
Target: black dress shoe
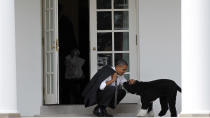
(98, 111)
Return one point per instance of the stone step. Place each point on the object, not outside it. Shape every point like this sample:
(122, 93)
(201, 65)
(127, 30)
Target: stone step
(122, 110)
(85, 115)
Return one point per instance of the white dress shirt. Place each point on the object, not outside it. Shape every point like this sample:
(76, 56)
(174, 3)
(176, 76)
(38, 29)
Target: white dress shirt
(120, 80)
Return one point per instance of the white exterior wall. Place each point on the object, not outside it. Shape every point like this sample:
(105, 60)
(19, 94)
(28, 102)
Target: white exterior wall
(159, 48)
(29, 56)
(160, 42)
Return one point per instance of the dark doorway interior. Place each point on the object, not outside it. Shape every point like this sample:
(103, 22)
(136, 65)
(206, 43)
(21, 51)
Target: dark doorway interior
(74, 70)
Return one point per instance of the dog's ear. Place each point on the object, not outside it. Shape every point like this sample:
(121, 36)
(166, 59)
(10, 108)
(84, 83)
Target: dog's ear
(129, 88)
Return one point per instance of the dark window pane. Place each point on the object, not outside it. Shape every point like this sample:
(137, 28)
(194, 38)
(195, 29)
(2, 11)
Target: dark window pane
(104, 59)
(121, 4)
(103, 4)
(124, 56)
(104, 20)
(104, 41)
(121, 41)
(121, 20)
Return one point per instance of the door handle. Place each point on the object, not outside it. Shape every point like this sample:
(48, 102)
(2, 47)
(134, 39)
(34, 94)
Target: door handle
(94, 48)
(57, 46)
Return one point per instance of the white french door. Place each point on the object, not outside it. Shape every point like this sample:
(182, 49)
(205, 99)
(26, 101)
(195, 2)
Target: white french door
(50, 32)
(113, 34)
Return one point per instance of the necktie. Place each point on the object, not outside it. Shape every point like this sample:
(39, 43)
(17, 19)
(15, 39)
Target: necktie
(115, 97)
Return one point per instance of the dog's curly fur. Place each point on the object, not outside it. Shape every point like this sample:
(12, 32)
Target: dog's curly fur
(164, 89)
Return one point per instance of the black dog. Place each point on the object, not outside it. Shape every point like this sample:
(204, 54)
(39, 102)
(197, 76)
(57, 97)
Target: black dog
(164, 89)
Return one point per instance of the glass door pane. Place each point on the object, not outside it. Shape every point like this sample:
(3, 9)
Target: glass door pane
(104, 41)
(104, 4)
(104, 59)
(121, 20)
(121, 41)
(121, 4)
(104, 20)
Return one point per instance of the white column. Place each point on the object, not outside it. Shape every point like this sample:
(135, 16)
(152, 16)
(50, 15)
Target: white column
(8, 97)
(195, 57)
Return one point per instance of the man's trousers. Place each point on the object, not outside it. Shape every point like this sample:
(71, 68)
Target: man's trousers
(106, 97)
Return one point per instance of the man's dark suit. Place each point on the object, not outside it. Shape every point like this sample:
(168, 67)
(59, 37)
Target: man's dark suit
(90, 91)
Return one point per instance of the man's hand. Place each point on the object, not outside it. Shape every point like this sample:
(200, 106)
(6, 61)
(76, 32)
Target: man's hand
(131, 81)
(114, 77)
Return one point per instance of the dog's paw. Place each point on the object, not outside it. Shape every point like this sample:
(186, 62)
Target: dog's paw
(151, 114)
(142, 112)
(162, 113)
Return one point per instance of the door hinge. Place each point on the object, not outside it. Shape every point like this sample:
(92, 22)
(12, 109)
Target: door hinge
(43, 43)
(136, 39)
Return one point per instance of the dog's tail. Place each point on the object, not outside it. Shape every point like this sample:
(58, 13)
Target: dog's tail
(179, 88)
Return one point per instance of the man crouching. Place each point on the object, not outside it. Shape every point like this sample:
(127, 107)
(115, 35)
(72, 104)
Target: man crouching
(105, 88)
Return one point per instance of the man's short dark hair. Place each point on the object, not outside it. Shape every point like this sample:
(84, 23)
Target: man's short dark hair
(121, 62)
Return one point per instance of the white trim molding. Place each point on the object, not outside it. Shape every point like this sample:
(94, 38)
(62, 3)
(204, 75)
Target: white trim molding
(194, 115)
